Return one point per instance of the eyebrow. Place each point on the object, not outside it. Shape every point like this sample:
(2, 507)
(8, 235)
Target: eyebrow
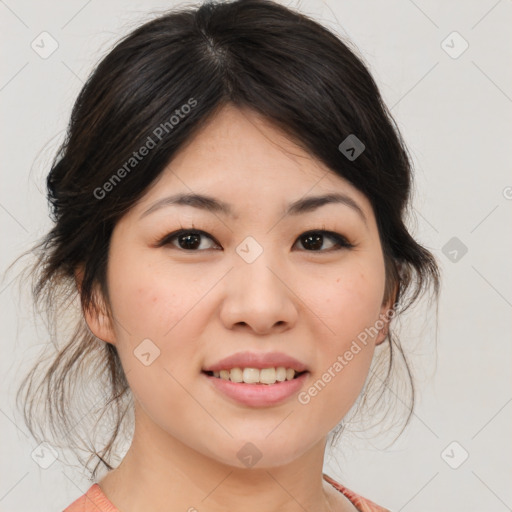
(299, 207)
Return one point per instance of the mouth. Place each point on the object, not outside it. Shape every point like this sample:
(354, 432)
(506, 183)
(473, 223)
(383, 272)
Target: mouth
(217, 376)
(269, 393)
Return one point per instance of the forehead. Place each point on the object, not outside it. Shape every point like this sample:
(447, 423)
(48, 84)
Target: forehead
(240, 142)
(246, 160)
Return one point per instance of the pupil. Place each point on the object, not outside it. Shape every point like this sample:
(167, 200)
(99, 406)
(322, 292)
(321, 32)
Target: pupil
(190, 245)
(317, 240)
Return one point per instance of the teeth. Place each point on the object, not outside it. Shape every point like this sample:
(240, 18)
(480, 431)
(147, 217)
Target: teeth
(257, 376)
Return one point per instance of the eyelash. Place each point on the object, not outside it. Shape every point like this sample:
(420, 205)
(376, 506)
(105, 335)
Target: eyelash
(341, 241)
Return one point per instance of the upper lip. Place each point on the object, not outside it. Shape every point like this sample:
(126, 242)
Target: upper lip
(256, 360)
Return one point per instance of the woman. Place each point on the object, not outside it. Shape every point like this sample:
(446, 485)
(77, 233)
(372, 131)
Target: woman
(229, 209)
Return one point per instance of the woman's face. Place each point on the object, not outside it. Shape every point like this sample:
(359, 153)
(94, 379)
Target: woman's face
(249, 282)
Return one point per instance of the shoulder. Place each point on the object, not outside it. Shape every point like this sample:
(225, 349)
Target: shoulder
(362, 504)
(92, 501)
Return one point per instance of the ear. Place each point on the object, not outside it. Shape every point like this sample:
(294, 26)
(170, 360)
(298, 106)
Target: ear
(97, 319)
(386, 314)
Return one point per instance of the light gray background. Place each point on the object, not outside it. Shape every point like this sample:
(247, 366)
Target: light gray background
(455, 114)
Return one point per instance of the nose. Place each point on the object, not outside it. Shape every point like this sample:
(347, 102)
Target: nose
(259, 298)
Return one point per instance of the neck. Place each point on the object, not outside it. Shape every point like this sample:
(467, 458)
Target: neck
(160, 473)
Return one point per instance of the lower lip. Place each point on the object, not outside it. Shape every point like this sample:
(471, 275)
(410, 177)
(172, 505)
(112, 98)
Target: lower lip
(258, 395)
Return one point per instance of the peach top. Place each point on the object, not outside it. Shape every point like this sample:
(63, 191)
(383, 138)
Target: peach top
(95, 501)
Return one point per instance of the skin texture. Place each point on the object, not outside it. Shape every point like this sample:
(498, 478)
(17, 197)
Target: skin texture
(198, 307)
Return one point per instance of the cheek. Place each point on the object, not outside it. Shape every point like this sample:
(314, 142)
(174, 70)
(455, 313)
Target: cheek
(154, 311)
(343, 363)
(349, 300)
(350, 307)
(155, 338)
(145, 300)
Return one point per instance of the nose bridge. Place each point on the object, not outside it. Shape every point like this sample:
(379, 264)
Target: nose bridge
(256, 268)
(256, 292)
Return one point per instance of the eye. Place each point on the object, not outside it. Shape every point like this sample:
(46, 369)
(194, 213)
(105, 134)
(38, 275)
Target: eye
(315, 240)
(186, 239)
(191, 240)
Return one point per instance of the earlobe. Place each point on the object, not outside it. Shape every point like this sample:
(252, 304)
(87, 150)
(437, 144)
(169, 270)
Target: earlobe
(96, 318)
(383, 333)
(387, 312)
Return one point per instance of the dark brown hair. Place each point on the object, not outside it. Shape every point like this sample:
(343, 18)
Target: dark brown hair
(253, 54)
